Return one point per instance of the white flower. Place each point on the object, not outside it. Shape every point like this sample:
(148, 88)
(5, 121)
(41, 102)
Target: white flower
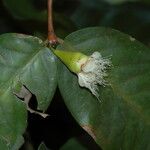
(93, 73)
(91, 70)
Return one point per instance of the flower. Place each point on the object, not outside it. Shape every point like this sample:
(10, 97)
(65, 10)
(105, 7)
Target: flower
(91, 70)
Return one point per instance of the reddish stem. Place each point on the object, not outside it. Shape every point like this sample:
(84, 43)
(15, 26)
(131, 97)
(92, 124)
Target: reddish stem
(52, 38)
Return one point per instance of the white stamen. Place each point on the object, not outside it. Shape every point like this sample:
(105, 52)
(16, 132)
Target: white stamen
(93, 72)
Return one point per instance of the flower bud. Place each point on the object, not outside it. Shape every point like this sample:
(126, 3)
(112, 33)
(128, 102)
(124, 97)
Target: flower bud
(73, 60)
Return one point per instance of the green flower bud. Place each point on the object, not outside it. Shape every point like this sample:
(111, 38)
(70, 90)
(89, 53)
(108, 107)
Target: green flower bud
(73, 60)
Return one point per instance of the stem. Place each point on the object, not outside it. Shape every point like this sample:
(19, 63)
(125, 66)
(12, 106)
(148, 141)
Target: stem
(52, 38)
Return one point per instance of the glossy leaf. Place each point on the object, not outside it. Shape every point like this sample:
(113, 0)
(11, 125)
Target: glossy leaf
(24, 60)
(121, 120)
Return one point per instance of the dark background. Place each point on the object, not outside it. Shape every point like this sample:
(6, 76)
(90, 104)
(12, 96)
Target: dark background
(70, 15)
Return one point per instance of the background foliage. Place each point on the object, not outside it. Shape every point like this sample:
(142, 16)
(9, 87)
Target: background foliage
(60, 130)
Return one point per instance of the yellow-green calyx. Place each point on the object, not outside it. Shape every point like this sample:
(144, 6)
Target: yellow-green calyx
(73, 60)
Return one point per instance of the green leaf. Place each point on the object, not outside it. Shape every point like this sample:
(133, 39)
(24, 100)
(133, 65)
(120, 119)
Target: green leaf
(24, 9)
(121, 120)
(13, 120)
(3, 144)
(26, 60)
(73, 144)
(23, 61)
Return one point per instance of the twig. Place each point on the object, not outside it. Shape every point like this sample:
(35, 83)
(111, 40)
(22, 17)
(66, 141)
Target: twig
(52, 38)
